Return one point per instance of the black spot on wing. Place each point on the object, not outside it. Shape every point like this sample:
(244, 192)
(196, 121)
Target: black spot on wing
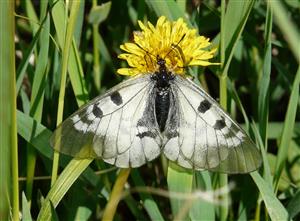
(148, 119)
(204, 106)
(116, 98)
(85, 119)
(141, 123)
(97, 111)
(220, 124)
(146, 134)
(172, 134)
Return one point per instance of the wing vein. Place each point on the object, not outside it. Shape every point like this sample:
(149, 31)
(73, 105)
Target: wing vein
(104, 137)
(218, 148)
(117, 140)
(189, 102)
(206, 155)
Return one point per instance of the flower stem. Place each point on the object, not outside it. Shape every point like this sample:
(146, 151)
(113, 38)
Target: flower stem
(223, 178)
(115, 196)
(96, 57)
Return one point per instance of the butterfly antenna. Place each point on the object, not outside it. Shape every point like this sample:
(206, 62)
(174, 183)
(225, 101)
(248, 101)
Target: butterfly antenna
(147, 53)
(176, 46)
(145, 50)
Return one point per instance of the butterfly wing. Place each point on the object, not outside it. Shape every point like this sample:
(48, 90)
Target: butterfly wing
(118, 127)
(200, 135)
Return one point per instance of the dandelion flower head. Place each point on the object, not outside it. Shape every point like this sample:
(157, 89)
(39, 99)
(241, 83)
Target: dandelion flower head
(177, 44)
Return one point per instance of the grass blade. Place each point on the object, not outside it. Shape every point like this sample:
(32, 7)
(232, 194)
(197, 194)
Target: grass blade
(83, 213)
(201, 209)
(168, 8)
(74, 64)
(232, 24)
(9, 185)
(237, 14)
(289, 124)
(275, 209)
(25, 61)
(148, 202)
(25, 208)
(263, 97)
(37, 97)
(179, 180)
(33, 18)
(35, 133)
(62, 185)
(294, 205)
(289, 29)
(66, 51)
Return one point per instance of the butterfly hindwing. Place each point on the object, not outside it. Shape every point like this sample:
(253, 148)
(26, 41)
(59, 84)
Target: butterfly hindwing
(117, 126)
(200, 135)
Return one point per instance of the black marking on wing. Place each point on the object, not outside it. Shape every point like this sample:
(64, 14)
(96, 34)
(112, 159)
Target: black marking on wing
(218, 147)
(171, 130)
(116, 98)
(148, 120)
(172, 134)
(204, 106)
(84, 119)
(141, 123)
(146, 134)
(97, 111)
(220, 124)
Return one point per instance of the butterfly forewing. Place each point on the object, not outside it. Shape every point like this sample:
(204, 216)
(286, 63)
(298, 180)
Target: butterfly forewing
(116, 127)
(203, 135)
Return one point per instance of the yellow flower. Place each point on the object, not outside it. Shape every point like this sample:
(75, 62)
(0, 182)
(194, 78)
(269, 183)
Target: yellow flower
(174, 42)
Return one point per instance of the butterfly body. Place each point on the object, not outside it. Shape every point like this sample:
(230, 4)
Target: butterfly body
(162, 80)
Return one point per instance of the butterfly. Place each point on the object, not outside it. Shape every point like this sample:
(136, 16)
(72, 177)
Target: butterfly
(158, 113)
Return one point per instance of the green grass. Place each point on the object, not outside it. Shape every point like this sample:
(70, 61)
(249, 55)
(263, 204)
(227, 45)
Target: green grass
(75, 50)
(9, 185)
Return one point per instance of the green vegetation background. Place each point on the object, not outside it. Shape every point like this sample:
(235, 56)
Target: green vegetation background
(62, 54)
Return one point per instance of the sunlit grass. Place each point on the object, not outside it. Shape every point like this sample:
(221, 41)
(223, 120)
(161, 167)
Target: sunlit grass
(9, 184)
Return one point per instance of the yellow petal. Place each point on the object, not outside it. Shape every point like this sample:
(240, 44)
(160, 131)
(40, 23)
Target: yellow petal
(202, 63)
(123, 71)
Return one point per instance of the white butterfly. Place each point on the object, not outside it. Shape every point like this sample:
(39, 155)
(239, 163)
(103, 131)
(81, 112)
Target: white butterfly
(162, 112)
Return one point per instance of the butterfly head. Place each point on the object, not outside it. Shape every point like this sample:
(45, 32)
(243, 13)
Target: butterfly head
(162, 65)
(162, 75)
(160, 61)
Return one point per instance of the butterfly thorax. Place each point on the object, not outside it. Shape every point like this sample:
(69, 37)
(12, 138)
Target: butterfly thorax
(162, 92)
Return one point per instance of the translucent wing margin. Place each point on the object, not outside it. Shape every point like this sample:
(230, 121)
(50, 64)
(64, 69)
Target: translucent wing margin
(200, 135)
(118, 127)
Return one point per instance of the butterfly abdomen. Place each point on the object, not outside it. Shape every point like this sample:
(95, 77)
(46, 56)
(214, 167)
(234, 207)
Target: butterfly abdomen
(162, 105)
(162, 96)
